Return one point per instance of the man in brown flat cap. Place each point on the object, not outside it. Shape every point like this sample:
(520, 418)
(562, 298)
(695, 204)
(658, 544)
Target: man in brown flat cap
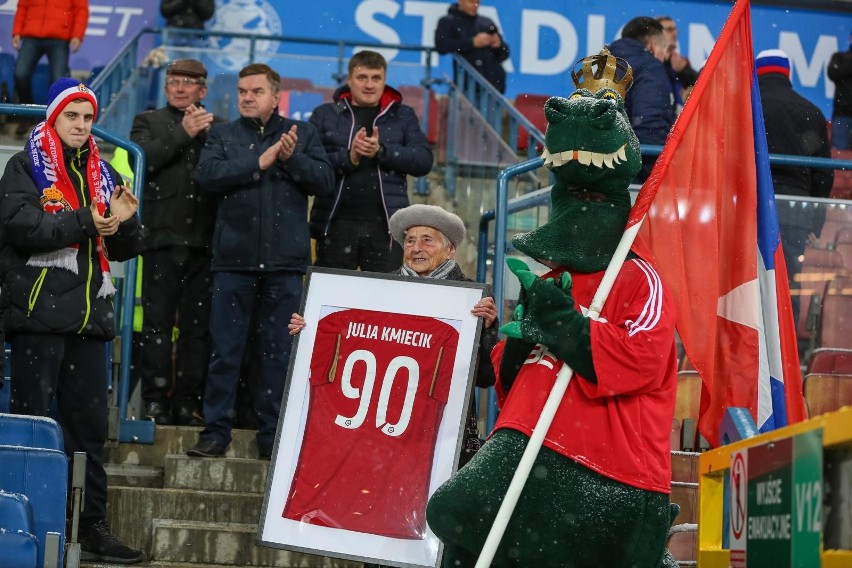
(176, 258)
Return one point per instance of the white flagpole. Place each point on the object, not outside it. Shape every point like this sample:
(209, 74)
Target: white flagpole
(563, 377)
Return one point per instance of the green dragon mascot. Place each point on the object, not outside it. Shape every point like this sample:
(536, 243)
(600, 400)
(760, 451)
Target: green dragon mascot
(598, 493)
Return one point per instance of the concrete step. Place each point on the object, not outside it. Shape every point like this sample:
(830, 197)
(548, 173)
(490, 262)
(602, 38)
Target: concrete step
(130, 475)
(230, 545)
(216, 474)
(132, 510)
(169, 440)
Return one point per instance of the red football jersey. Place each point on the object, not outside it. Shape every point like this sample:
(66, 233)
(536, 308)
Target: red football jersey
(379, 384)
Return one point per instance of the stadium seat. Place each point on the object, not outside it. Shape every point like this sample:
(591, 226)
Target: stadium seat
(687, 407)
(412, 95)
(16, 513)
(842, 187)
(837, 216)
(826, 392)
(826, 361)
(30, 431)
(843, 245)
(835, 327)
(19, 549)
(532, 107)
(42, 475)
(819, 267)
(296, 84)
(41, 83)
(7, 77)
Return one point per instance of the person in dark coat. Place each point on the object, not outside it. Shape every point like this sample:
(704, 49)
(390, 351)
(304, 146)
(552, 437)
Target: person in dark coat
(794, 126)
(263, 167)
(374, 142)
(476, 38)
(179, 217)
(187, 13)
(840, 71)
(650, 102)
(63, 215)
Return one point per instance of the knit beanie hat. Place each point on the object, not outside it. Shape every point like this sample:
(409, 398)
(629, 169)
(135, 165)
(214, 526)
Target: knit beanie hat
(62, 92)
(772, 61)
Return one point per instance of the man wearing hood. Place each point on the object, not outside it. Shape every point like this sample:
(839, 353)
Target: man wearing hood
(373, 142)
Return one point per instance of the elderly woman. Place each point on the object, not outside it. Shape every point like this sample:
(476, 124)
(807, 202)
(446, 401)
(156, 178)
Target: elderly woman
(429, 236)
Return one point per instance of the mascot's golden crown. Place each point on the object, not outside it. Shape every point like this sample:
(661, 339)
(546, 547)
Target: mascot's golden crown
(603, 71)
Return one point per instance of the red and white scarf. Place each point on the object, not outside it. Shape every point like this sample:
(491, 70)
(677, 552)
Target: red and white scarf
(58, 195)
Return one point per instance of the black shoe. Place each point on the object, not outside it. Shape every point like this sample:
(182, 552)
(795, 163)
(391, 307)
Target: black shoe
(264, 452)
(98, 544)
(207, 448)
(187, 415)
(159, 412)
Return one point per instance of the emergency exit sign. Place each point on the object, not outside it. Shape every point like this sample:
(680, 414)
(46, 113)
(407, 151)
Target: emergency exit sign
(775, 503)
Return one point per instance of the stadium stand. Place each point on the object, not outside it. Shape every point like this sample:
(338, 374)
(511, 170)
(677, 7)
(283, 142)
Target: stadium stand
(412, 95)
(819, 267)
(19, 545)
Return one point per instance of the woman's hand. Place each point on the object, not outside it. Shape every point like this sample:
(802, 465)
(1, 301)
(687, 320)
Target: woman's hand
(297, 323)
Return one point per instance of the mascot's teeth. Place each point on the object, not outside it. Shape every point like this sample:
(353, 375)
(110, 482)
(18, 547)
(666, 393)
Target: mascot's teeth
(585, 157)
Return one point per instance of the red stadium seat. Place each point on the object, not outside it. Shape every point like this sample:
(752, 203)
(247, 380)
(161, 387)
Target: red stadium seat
(819, 267)
(837, 217)
(842, 188)
(412, 95)
(835, 329)
(830, 361)
(826, 392)
(532, 107)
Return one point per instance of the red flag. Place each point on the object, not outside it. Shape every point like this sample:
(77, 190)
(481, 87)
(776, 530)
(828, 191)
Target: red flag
(702, 229)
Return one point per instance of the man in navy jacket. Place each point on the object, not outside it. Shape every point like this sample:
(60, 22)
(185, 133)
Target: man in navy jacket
(262, 167)
(374, 142)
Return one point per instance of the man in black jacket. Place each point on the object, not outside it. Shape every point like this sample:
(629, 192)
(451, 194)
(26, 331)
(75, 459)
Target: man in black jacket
(476, 38)
(840, 71)
(263, 167)
(64, 214)
(373, 142)
(794, 126)
(179, 218)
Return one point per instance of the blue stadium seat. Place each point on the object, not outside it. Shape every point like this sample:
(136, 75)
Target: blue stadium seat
(7, 77)
(41, 83)
(42, 475)
(19, 549)
(30, 431)
(16, 513)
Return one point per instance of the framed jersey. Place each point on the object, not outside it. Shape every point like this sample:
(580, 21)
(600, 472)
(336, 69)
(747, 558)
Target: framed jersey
(372, 416)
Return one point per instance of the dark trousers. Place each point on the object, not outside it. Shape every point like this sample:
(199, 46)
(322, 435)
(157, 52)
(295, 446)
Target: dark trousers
(67, 374)
(273, 297)
(32, 48)
(176, 289)
(359, 244)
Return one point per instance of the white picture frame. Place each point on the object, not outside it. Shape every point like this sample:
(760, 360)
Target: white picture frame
(327, 292)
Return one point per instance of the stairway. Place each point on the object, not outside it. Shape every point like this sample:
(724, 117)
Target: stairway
(203, 512)
(195, 512)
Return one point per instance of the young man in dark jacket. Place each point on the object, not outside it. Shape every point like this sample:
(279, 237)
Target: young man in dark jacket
(373, 142)
(476, 38)
(63, 215)
(794, 126)
(262, 167)
(650, 102)
(179, 217)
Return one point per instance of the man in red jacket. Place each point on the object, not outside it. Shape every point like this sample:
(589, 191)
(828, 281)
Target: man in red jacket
(45, 27)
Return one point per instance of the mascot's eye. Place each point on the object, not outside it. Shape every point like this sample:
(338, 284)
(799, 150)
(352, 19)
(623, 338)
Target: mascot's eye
(609, 95)
(575, 96)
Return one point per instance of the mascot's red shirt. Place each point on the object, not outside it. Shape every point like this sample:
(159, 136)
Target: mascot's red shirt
(619, 427)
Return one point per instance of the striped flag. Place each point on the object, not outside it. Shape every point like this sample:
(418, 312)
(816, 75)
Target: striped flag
(712, 230)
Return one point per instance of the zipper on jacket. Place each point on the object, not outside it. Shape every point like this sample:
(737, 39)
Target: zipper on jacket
(382, 112)
(35, 291)
(75, 169)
